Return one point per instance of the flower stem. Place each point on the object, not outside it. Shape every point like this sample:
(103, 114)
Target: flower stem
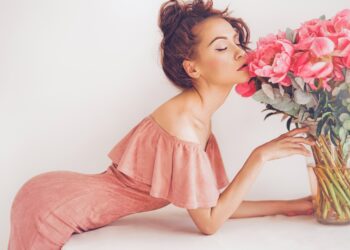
(335, 201)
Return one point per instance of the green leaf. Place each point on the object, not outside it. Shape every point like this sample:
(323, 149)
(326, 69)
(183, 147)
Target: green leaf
(285, 105)
(320, 126)
(323, 17)
(346, 148)
(326, 114)
(294, 36)
(281, 89)
(269, 114)
(260, 96)
(300, 82)
(321, 104)
(302, 97)
(344, 116)
(333, 136)
(335, 91)
(290, 34)
(326, 130)
(268, 90)
(346, 125)
(347, 75)
(289, 121)
(342, 134)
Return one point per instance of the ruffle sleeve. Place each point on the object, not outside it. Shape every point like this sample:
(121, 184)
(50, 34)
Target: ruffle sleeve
(179, 172)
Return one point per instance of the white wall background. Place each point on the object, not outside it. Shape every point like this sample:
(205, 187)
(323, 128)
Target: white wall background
(76, 76)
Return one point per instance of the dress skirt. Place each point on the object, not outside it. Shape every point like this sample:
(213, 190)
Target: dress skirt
(52, 206)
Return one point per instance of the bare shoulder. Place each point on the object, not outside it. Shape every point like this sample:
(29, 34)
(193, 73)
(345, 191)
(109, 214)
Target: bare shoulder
(174, 117)
(175, 121)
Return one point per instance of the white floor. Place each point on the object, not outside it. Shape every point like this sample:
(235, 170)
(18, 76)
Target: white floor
(171, 228)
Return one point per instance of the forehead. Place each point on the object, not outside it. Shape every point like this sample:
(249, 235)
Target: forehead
(212, 27)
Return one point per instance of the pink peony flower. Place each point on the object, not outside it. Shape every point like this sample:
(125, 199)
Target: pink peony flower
(343, 50)
(272, 59)
(341, 20)
(320, 52)
(337, 30)
(337, 71)
(311, 28)
(281, 35)
(317, 46)
(313, 59)
(333, 29)
(246, 89)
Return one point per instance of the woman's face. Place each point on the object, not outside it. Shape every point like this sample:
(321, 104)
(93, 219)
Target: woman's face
(219, 55)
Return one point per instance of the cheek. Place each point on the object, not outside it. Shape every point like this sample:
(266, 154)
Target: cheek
(218, 70)
(216, 64)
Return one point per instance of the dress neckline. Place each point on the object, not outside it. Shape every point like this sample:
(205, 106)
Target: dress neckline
(196, 144)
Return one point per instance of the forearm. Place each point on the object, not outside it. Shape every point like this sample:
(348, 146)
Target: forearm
(231, 198)
(259, 208)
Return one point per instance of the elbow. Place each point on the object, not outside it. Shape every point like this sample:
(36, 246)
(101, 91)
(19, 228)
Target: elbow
(205, 223)
(209, 230)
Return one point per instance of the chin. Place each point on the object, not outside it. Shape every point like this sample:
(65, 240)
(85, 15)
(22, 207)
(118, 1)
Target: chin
(245, 78)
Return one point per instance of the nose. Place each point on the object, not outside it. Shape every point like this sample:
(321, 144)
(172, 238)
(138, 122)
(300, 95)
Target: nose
(239, 52)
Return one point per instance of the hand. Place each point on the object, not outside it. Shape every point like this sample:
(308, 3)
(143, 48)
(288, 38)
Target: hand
(285, 145)
(301, 206)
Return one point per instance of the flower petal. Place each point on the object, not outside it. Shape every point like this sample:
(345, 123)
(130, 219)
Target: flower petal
(322, 46)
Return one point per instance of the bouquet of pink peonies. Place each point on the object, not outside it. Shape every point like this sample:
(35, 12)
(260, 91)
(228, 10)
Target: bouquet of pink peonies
(304, 74)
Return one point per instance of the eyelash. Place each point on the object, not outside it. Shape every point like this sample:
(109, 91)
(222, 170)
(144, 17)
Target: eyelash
(226, 48)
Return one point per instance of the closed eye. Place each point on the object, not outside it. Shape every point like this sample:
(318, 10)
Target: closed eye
(221, 49)
(238, 44)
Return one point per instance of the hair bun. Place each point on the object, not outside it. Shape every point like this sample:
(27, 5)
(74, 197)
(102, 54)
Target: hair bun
(170, 15)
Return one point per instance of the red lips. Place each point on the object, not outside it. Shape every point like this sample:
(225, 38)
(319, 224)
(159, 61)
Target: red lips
(244, 66)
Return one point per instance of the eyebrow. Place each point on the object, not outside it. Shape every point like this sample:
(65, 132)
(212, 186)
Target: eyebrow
(221, 37)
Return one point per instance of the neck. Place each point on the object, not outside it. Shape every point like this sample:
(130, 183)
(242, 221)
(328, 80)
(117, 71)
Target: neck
(202, 102)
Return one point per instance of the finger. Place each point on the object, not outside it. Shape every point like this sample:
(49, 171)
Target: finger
(308, 212)
(300, 150)
(304, 140)
(299, 145)
(291, 214)
(311, 211)
(309, 197)
(297, 131)
(306, 198)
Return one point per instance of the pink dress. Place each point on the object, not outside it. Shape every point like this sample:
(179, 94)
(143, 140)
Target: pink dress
(150, 169)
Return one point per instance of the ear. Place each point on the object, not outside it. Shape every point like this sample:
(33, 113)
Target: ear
(190, 69)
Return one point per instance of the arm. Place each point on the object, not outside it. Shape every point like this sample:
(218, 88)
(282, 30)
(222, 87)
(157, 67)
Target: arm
(299, 206)
(209, 220)
(231, 198)
(259, 208)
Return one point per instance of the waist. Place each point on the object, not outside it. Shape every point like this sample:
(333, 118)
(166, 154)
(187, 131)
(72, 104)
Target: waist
(127, 180)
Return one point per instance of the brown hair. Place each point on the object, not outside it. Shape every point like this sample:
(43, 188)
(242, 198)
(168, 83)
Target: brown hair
(176, 22)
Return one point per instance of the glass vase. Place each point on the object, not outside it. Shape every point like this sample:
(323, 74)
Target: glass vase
(329, 175)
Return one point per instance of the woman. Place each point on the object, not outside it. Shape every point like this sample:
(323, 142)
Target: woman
(170, 156)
